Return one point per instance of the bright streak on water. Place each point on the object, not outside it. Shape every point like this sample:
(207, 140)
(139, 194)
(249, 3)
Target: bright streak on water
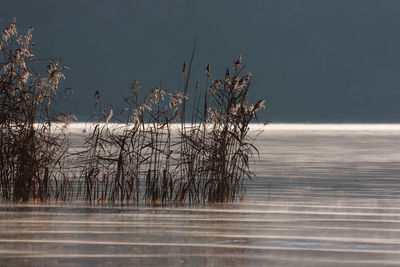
(325, 195)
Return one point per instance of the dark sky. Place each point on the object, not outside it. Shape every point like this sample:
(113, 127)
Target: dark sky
(313, 61)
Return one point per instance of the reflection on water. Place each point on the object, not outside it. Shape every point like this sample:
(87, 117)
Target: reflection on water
(324, 195)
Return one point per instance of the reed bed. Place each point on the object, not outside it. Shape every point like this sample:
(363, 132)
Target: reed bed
(146, 150)
(31, 159)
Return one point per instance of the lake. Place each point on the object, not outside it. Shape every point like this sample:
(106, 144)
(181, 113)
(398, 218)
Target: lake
(324, 195)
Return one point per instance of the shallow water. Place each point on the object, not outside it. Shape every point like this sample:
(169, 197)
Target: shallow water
(325, 195)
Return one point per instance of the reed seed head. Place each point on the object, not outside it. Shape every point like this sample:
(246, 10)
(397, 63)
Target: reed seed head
(184, 68)
(238, 63)
(208, 70)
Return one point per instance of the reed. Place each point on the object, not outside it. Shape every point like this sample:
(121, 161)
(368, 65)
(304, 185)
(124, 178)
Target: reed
(31, 157)
(145, 150)
(131, 147)
(217, 145)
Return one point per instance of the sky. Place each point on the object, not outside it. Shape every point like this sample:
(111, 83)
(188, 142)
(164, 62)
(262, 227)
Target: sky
(312, 60)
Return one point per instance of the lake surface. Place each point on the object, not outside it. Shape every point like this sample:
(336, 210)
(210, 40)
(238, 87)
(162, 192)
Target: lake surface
(324, 195)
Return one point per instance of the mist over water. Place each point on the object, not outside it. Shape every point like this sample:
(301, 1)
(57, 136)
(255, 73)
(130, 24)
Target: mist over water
(323, 195)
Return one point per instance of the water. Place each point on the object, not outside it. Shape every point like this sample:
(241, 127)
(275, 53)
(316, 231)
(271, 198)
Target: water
(325, 195)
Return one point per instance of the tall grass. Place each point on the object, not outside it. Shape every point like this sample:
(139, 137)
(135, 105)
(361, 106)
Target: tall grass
(217, 145)
(118, 156)
(146, 150)
(31, 157)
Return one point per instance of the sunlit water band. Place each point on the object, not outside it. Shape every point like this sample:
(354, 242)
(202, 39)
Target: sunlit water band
(323, 195)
